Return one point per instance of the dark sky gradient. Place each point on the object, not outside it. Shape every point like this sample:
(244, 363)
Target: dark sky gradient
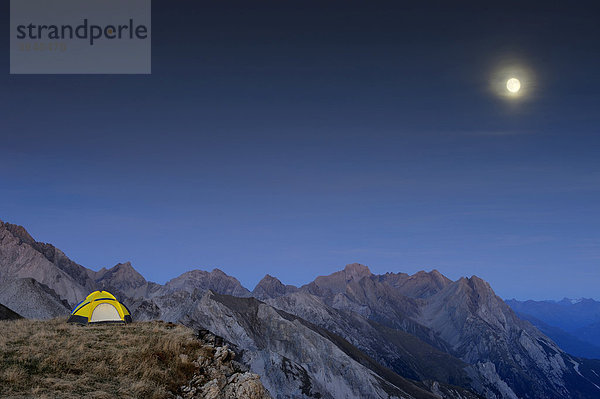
(294, 137)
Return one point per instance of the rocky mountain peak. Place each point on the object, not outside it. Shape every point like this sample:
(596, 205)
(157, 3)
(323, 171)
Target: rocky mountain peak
(473, 299)
(338, 281)
(18, 232)
(270, 278)
(480, 286)
(120, 274)
(125, 268)
(202, 280)
(123, 280)
(269, 281)
(22, 257)
(271, 287)
(439, 276)
(477, 290)
(419, 285)
(434, 277)
(357, 271)
(218, 272)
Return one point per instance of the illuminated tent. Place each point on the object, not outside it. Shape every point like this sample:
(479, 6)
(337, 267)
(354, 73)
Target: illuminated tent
(100, 307)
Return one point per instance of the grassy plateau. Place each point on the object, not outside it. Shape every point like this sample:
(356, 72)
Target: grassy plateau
(53, 359)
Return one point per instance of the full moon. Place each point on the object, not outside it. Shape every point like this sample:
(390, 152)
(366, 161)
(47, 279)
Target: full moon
(513, 85)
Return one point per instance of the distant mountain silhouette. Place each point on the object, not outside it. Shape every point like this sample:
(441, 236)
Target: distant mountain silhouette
(567, 341)
(590, 333)
(567, 314)
(579, 319)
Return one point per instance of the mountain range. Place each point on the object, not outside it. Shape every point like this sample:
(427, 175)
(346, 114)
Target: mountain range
(573, 324)
(351, 334)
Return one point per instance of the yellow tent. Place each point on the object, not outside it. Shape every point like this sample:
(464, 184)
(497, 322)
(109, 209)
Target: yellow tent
(100, 307)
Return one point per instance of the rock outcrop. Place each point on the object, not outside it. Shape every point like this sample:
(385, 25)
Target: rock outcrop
(220, 376)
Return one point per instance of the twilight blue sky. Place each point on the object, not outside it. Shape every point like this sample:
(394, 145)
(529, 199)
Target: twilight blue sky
(294, 137)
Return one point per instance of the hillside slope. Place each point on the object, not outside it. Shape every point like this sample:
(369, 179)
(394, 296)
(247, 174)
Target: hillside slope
(32, 299)
(139, 360)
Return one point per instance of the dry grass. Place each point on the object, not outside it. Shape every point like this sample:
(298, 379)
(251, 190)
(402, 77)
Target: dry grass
(53, 359)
